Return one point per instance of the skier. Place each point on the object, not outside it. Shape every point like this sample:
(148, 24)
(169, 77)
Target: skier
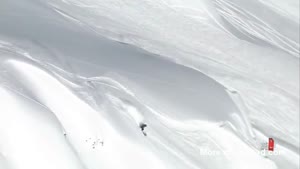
(142, 126)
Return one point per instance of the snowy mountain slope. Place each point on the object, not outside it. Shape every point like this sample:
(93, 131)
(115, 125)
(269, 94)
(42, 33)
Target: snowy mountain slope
(218, 76)
(260, 42)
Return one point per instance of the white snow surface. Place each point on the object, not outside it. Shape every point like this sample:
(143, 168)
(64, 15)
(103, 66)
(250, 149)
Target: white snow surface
(212, 79)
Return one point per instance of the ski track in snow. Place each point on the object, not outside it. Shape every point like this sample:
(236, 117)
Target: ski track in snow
(78, 77)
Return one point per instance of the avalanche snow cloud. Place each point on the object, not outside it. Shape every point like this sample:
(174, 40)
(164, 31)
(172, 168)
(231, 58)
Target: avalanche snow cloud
(211, 79)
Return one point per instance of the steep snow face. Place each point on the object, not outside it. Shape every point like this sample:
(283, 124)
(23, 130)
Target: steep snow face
(212, 80)
(248, 46)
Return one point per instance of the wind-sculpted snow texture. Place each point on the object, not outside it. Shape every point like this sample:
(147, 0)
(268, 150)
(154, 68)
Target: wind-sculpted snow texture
(152, 84)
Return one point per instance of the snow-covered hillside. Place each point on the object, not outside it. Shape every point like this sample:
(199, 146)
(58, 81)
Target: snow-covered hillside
(209, 80)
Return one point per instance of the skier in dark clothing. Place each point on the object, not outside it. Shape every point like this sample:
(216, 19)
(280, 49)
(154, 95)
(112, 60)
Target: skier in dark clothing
(142, 126)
